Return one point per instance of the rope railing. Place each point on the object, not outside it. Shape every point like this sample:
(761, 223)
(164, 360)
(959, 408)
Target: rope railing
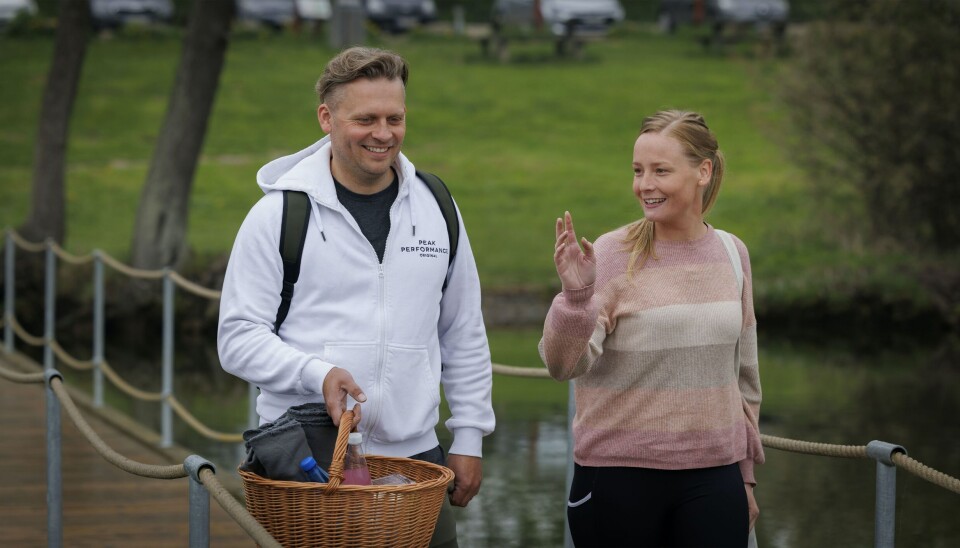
(86, 365)
(129, 270)
(797, 446)
(194, 288)
(23, 334)
(206, 475)
(65, 357)
(811, 448)
(26, 245)
(127, 465)
(104, 367)
(69, 257)
(902, 461)
(23, 378)
(925, 472)
(126, 387)
(235, 510)
(514, 371)
(203, 429)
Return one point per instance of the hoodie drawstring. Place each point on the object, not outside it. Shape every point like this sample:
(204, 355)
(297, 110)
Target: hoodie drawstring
(413, 215)
(316, 215)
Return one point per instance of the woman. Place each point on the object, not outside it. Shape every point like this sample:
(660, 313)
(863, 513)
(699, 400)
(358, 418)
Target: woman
(654, 325)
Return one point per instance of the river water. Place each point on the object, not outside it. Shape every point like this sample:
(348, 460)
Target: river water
(815, 391)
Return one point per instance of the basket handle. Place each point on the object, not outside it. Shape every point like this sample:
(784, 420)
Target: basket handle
(348, 423)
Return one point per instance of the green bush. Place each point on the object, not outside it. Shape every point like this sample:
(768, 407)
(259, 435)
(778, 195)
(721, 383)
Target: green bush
(873, 94)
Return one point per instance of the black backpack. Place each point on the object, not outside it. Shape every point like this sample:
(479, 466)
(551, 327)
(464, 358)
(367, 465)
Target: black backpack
(293, 233)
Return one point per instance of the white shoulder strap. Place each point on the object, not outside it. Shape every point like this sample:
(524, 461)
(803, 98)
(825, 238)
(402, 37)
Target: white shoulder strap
(734, 256)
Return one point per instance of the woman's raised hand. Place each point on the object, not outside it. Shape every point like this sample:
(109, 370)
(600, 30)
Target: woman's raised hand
(577, 268)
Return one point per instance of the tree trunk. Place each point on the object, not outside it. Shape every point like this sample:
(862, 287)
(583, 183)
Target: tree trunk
(48, 208)
(159, 237)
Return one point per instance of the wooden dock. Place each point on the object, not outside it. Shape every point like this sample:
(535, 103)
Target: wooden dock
(103, 506)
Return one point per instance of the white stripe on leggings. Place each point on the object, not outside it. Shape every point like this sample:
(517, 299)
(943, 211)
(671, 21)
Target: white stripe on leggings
(579, 502)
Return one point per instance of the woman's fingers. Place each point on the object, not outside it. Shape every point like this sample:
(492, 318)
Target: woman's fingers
(565, 231)
(587, 249)
(569, 225)
(574, 259)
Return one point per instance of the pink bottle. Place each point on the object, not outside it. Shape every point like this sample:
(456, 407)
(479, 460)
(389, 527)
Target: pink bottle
(355, 471)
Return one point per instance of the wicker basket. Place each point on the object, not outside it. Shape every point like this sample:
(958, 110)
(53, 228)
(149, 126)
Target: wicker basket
(330, 514)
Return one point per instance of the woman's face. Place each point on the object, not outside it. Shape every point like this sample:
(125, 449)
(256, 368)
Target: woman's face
(668, 187)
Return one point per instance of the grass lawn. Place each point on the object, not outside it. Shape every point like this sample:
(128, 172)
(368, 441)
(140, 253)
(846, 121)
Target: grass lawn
(518, 143)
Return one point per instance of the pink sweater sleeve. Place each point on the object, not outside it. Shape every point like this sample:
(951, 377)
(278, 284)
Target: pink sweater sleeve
(570, 322)
(749, 381)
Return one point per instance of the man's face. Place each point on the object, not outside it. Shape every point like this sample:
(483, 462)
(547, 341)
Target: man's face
(366, 120)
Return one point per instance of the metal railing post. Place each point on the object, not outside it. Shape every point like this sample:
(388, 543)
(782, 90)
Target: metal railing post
(571, 410)
(9, 281)
(884, 525)
(49, 306)
(166, 412)
(54, 475)
(98, 320)
(199, 502)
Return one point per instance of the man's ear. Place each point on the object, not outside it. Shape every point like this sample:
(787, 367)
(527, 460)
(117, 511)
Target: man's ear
(324, 116)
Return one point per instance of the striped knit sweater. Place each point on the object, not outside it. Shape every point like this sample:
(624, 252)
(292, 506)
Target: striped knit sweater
(654, 358)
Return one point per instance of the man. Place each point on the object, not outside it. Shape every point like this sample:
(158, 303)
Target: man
(378, 306)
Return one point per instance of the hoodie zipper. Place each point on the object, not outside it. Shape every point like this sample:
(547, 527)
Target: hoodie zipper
(382, 321)
(381, 343)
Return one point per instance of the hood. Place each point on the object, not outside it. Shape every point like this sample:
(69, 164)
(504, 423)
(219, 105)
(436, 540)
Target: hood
(309, 171)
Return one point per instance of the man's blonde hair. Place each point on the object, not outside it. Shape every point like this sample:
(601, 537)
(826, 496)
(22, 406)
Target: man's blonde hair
(359, 62)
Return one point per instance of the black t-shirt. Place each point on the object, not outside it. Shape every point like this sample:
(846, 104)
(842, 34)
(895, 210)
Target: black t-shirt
(371, 211)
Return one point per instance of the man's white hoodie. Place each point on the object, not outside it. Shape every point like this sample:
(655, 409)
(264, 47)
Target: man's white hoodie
(388, 324)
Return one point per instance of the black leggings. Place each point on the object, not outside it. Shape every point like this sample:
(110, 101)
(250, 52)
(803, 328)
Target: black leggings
(614, 506)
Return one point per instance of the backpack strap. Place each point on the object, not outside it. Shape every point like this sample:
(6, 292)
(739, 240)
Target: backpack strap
(293, 234)
(449, 210)
(734, 257)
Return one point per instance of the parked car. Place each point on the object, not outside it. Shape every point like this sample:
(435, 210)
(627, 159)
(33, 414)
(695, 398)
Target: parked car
(117, 13)
(400, 15)
(563, 18)
(719, 14)
(11, 9)
(275, 14)
(314, 10)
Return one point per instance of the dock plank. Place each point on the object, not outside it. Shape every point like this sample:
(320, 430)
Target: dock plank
(103, 506)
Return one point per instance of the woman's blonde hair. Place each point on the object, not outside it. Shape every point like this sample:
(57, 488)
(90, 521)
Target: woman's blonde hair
(698, 144)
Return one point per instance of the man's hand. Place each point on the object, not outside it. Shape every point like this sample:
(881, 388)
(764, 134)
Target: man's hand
(468, 472)
(752, 505)
(337, 385)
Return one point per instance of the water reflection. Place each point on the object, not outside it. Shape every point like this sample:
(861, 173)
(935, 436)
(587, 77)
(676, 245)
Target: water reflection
(521, 502)
(828, 395)
(848, 398)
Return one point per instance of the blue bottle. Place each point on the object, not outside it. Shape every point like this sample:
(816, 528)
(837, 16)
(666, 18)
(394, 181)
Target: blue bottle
(313, 471)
